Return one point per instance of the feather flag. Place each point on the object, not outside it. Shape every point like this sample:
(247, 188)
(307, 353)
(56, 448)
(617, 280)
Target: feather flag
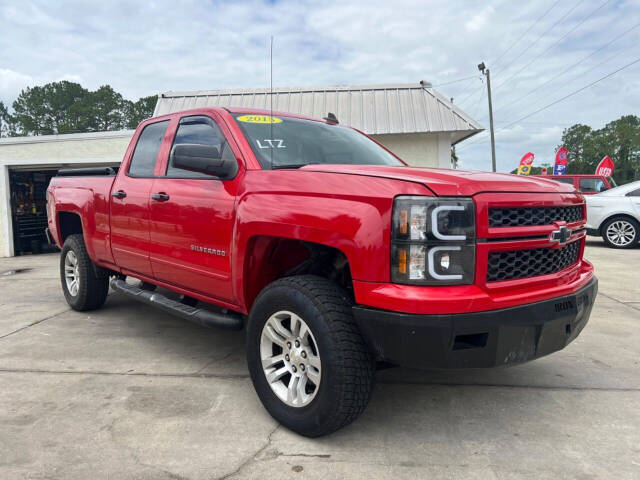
(561, 161)
(605, 167)
(525, 164)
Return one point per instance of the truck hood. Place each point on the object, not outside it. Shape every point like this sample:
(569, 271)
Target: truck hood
(451, 182)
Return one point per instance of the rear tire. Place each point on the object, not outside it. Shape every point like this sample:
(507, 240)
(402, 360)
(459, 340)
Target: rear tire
(333, 363)
(621, 232)
(83, 288)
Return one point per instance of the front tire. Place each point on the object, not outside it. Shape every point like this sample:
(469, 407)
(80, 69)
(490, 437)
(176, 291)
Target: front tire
(307, 359)
(82, 287)
(621, 232)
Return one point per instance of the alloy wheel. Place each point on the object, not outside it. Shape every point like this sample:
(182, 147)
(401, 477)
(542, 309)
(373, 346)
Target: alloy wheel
(72, 273)
(621, 233)
(290, 358)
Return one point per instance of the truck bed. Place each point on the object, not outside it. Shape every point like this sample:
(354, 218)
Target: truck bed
(88, 196)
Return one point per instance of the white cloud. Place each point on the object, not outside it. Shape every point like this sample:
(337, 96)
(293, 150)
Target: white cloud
(11, 83)
(480, 19)
(146, 48)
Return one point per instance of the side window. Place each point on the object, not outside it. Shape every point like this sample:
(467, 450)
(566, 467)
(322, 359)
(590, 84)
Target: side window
(198, 130)
(144, 157)
(593, 185)
(568, 180)
(634, 193)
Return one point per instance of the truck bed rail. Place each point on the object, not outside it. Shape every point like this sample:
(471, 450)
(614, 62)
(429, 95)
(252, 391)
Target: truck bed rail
(88, 172)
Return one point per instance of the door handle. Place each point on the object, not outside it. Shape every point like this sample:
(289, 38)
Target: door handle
(160, 197)
(119, 194)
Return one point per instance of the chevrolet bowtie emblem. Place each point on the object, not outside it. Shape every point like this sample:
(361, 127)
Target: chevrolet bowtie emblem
(562, 235)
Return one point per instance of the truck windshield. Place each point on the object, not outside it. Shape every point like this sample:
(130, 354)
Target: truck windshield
(286, 142)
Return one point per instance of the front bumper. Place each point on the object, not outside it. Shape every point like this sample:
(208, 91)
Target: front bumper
(479, 339)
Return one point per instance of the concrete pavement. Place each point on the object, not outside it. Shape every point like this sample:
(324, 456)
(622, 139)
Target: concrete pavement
(130, 392)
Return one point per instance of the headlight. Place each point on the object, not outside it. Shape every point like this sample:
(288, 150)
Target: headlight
(433, 241)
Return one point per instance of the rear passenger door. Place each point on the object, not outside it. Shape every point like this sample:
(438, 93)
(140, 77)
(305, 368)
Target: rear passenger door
(130, 201)
(192, 215)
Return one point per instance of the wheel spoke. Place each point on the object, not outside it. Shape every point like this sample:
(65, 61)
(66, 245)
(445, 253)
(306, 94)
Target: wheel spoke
(301, 393)
(291, 389)
(295, 325)
(314, 361)
(314, 376)
(304, 334)
(271, 362)
(276, 375)
(277, 326)
(274, 336)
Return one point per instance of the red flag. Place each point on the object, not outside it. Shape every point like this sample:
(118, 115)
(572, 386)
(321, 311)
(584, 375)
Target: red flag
(544, 171)
(525, 164)
(605, 167)
(561, 161)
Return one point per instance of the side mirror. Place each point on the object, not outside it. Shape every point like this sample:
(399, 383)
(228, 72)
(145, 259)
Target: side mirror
(203, 159)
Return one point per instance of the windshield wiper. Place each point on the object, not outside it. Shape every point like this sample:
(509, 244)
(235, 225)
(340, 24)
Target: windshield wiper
(289, 165)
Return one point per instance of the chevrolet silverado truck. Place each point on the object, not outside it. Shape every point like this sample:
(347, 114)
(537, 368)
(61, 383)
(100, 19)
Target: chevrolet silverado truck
(333, 254)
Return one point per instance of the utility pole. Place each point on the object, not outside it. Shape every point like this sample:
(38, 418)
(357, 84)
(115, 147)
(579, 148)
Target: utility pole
(485, 71)
(454, 157)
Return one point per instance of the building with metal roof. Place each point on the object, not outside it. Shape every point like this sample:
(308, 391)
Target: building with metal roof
(414, 121)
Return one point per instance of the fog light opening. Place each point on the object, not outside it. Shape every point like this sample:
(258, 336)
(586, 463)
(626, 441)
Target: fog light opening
(474, 340)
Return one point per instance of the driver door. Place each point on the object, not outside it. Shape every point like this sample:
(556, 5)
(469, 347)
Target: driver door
(192, 215)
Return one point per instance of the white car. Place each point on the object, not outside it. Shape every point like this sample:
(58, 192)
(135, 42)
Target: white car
(615, 215)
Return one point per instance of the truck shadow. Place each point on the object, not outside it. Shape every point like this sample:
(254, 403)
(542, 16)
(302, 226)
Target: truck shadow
(403, 401)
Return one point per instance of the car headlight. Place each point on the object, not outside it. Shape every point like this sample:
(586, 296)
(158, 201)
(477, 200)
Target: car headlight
(433, 241)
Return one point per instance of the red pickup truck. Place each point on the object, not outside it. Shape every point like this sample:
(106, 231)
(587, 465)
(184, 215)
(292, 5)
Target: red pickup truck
(331, 251)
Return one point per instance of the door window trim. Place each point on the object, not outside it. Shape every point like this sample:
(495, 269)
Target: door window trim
(219, 122)
(133, 151)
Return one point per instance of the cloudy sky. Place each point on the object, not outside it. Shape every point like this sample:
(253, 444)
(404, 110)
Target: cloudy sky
(538, 51)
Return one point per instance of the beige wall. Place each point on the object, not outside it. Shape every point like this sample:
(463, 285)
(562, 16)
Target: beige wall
(52, 152)
(61, 151)
(419, 149)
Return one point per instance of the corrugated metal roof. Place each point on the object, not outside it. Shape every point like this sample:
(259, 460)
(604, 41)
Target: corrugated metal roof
(374, 109)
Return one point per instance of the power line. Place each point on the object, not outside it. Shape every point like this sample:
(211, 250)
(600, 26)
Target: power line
(525, 33)
(530, 46)
(454, 81)
(573, 65)
(545, 32)
(472, 94)
(575, 92)
(473, 108)
(554, 44)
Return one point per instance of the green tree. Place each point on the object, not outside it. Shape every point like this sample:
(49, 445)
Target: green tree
(105, 109)
(619, 139)
(5, 119)
(135, 112)
(64, 103)
(30, 112)
(67, 107)
(51, 108)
